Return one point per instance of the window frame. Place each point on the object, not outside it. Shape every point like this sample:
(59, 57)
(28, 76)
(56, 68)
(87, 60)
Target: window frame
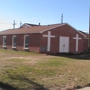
(13, 41)
(3, 41)
(24, 42)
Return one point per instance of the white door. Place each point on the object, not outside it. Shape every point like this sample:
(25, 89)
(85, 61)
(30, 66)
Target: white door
(64, 44)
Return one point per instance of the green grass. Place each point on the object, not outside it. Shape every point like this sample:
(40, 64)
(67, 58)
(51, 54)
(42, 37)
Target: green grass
(18, 52)
(52, 62)
(42, 72)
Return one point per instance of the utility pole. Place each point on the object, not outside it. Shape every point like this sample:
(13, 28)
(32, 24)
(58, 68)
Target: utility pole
(62, 18)
(89, 30)
(20, 23)
(14, 24)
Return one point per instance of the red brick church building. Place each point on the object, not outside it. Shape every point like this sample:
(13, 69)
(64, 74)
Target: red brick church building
(56, 38)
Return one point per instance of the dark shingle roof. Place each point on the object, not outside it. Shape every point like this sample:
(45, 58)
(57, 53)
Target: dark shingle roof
(28, 25)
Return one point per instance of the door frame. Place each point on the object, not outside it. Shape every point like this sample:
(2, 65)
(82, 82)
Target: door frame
(64, 43)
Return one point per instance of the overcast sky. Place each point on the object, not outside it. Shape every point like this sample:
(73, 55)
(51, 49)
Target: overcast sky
(76, 12)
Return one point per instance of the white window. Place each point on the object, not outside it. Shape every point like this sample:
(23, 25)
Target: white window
(14, 41)
(4, 41)
(26, 41)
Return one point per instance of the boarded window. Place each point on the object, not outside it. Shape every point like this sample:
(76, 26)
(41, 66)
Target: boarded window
(43, 48)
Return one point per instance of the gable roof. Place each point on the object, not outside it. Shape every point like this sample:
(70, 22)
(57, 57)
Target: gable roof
(86, 34)
(26, 25)
(35, 29)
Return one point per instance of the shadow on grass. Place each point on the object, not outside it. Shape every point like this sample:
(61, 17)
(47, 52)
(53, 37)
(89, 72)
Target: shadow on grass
(35, 85)
(4, 86)
(74, 56)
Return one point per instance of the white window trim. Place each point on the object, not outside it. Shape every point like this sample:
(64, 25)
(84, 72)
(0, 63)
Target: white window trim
(24, 42)
(3, 40)
(13, 41)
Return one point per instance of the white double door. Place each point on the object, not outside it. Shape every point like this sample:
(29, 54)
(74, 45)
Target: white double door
(63, 44)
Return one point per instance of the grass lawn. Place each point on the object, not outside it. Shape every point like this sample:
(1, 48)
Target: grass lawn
(33, 71)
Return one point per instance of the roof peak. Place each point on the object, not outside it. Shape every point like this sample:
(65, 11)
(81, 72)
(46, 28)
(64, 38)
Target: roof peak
(56, 24)
(31, 24)
(26, 25)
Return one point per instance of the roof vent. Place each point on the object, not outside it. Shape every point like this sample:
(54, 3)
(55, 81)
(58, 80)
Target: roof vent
(39, 24)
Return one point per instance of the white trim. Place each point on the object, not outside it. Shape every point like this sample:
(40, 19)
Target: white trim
(64, 44)
(52, 28)
(62, 25)
(26, 48)
(13, 47)
(49, 29)
(24, 42)
(13, 41)
(3, 41)
(49, 36)
(26, 25)
(82, 33)
(4, 46)
(76, 29)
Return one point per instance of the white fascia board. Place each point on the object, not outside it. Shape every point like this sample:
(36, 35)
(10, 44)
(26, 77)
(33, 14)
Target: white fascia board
(76, 30)
(62, 25)
(52, 28)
